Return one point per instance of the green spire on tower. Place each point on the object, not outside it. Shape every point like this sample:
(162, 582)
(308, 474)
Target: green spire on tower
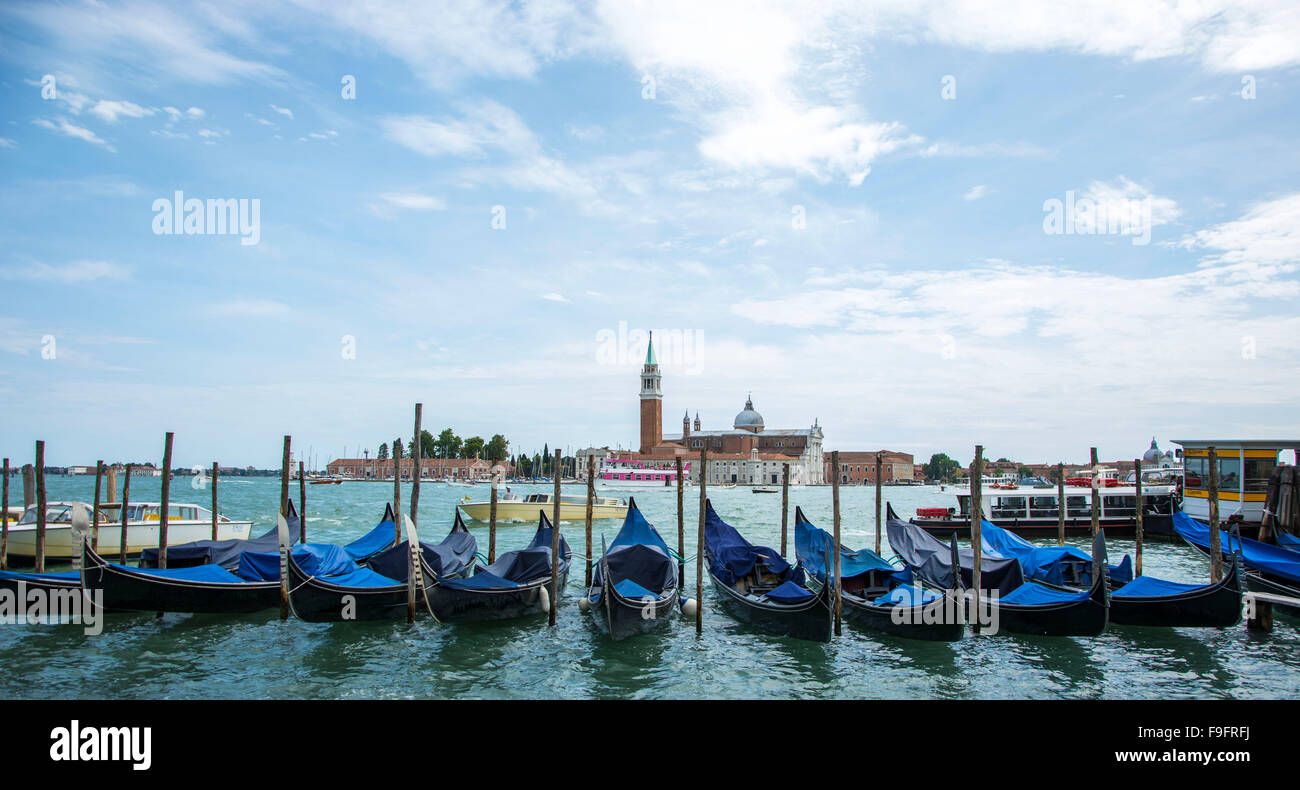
(650, 351)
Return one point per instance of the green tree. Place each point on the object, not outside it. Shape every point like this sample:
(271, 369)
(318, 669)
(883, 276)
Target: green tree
(941, 467)
(428, 447)
(472, 447)
(383, 451)
(447, 445)
(496, 447)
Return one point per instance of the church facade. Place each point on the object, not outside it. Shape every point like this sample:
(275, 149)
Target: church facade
(748, 453)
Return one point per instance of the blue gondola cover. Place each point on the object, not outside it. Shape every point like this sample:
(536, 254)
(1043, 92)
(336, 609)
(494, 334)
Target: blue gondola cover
(732, 558)
(1265, 557)
(813, 547)
(224, 552)
(315, 559)
(638, 555)
(1151, 587)
(790, 593)
(1031, 594)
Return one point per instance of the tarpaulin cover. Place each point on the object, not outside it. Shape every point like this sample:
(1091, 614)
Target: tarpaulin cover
(362, 577)
(1047, 563)
(1289, 541)
(213, 574)
(451, 558)
(376, 540)
(638, 554)
(1151, 587)
(732, 558)
(315, 559)
(630, 589)
(932, 560)
(813, 547)
(906, 595)
(224, 552)
(789, 592)
(1031, 594)
(60, 576)
(522, 565)
(1265, 557)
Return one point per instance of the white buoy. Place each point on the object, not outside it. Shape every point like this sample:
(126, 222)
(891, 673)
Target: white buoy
(545, 599)
(688, 608)
(584, 604)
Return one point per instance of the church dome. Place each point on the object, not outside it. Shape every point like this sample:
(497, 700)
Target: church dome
(1154, 455)
(749, 419)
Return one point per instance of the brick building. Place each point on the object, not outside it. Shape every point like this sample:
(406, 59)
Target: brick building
(430, 468)
(859, 468)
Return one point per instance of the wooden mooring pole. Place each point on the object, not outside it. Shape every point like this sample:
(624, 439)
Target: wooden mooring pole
(492, 522)
(284, 513)
(415, 462)
(1060, 504)
(126, 504)
(879, 472)
(699, 543)
(555, 538)
(40, 507)
(1096, 492)
(681, 524)
(165, 504)
(785, 505)
(1216, 550)
(976, 522)
(1137, 516)
(397, 493)
(302, 503)
(591, 503)
(29, 486)
(110, 474)
(4, 521)
(94, 514)
(215, 468)
(835, 520)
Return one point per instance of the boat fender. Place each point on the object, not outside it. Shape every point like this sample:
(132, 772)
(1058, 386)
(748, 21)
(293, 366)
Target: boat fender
(689, 607)
(545, 599)
(584, 604)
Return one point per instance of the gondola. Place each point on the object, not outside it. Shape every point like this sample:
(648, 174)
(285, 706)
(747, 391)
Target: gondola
(378, 590)
(757, 585)
(20, 583)
(381, 538)
(224, 553)
(1268, 568)
(634, 586)
(1021, 607)
(874, 594)
(517, 584)
(203, 589)
(1145, 600)
(1060, 566)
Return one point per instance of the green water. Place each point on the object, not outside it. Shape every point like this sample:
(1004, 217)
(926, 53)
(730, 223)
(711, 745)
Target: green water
(206, 656)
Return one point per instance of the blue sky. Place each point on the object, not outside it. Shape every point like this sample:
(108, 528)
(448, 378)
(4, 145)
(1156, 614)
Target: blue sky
(841, 205)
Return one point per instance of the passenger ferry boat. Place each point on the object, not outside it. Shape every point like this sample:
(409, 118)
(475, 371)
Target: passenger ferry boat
(1033, 510)
(1245, 466)
(185, 523)
(620, 473)
(573, 507)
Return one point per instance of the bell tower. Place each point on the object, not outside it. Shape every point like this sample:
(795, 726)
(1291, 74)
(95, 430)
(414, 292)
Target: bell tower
(652, 400)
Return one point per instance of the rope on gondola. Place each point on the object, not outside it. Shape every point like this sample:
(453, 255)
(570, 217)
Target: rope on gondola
(424, 591)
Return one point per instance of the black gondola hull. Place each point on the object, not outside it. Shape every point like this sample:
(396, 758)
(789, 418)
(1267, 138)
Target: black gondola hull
(127, 590)
(1078, 618)
(463, 606)
(1214, 606)
(812, 620)
(864, 614)
(621, 617)
(318, 601)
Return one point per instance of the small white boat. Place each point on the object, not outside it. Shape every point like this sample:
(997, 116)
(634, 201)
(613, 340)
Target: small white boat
(458, 483)
(572, 507)
(621, 473)
(185, 523)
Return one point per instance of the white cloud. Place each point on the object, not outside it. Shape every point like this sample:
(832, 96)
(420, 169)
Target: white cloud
(554, 297)
(1265, 241)
(5, 142)
(1116, 198)
(485, 125)
(285, 111)
(67, 274)
(413, 201)
(110, 111)
(68, 129)
(976, 192)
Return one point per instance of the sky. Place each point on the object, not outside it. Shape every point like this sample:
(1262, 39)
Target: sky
(872, 215)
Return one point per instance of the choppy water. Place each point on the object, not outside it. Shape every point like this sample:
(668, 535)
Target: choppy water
(205, 656)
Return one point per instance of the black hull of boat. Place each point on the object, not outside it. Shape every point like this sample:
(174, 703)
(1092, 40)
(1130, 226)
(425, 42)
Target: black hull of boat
(1216, 606)
(467, 606)
(126, 590)
(880, 618)
(1154, 527)
(625, 617)
(31, 582)
(1077, 618)
(812, 620)
(317, 601)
